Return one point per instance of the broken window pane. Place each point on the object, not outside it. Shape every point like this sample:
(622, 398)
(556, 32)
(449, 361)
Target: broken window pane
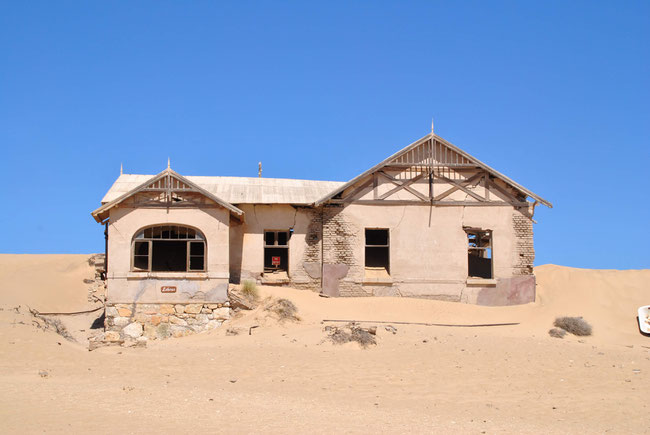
(170, 249)
(276, 259)
(376, 237)
(196, 248)
(377, 253)
(196, 263)
(169, 256)
(276, 251)
(479, 253)
(141, 255)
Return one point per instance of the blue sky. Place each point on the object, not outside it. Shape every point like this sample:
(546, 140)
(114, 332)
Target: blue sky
(554, 94)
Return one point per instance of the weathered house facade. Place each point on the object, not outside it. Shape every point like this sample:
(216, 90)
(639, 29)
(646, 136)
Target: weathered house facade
(430, 221)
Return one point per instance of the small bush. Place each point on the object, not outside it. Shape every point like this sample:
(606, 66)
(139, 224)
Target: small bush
(50, 323)
(363, 337)
(339, 336)
(557, 332)
(285, 309)
(574, 325)
(356, 333)
(249, 289)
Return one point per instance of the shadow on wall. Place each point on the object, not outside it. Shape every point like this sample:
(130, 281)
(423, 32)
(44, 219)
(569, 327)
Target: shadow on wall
(236, 250)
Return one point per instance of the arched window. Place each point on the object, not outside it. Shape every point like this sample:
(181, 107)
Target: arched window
(168, 248)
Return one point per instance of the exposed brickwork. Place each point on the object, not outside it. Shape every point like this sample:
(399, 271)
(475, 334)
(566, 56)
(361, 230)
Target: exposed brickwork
(307, 273)
(524, 249)
(339, 238)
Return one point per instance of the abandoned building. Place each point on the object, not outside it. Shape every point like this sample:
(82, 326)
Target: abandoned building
(430, 221)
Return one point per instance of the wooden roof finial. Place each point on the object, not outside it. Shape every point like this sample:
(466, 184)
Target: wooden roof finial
(168, 163)
(259, 170)
(121, 169)
(431, 126)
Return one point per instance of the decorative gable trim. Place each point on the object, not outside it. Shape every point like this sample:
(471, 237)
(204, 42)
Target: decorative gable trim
(430, 155)
(168, 184)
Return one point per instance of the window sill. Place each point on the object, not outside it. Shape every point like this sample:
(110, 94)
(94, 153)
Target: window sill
(377, 275)
(167, 275)
(481, 282)
(278, 277)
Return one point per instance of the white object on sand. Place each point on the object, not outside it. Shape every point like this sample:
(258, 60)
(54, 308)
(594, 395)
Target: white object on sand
(644, 319)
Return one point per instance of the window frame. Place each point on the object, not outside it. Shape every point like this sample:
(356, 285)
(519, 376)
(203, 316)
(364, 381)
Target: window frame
(366, 246)
(478, 234)
(275, 245)
(199, 237)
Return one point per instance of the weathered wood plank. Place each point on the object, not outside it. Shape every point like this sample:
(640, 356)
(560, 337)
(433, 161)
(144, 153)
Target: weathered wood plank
(401, 185)
(457, 185)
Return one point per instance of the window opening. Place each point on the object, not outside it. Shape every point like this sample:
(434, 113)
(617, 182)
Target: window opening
(377, 251)
(479, 253)
(168, 248)
(276, 251)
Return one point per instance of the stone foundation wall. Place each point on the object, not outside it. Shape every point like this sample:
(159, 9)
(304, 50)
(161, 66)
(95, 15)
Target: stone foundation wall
(143, 322)
(524, 248)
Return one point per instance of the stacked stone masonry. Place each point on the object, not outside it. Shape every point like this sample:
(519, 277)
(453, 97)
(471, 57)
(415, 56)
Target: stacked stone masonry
(143, 322)
(524, 250)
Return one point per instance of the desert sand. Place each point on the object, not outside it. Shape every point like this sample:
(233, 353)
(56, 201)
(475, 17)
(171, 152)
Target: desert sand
(285, 377)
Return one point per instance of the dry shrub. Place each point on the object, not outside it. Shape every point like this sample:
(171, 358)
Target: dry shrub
(285, 309)
(574, 325)
(350, 333)
(557, 332)
(50, 323)
(249, 290)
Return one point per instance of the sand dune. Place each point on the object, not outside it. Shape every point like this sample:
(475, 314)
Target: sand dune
(48, 283)
(285, 377)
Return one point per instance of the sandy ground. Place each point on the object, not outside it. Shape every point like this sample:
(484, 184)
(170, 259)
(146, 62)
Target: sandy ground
(285, 377)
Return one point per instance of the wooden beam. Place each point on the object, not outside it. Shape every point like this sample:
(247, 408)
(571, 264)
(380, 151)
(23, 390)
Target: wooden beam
(503, 191)
(403, 185)
(375, 182)
(358, 189)
(436, 203)
(411, 165)
(457, 186)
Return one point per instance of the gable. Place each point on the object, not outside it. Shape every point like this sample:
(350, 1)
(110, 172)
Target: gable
(167, 189)
(434, 171)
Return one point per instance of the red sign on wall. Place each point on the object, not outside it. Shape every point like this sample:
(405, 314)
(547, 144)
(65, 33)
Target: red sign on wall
(168, 289)
(275, 261)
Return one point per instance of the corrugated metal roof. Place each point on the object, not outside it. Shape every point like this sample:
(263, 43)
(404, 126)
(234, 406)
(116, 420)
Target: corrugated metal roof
(240, 190)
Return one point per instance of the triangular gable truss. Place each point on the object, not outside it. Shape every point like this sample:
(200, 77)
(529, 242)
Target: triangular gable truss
(168, 188)
(435, 158)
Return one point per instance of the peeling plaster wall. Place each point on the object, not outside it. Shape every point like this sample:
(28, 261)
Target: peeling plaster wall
(124, 286)
(428, 252)
(304, 244)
